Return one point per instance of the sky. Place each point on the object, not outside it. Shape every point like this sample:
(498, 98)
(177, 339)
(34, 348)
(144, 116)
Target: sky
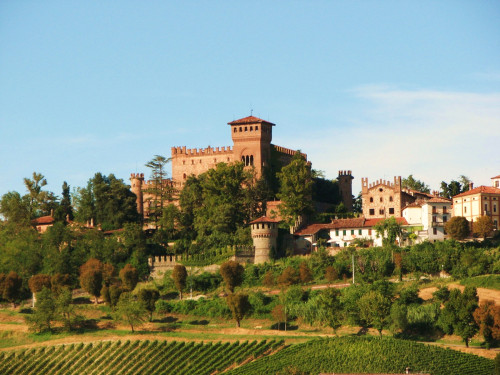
(382, 88)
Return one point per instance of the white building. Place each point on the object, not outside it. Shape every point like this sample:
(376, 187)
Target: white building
(427, 218)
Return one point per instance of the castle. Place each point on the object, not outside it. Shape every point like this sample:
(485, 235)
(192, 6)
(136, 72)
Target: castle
(252, 146)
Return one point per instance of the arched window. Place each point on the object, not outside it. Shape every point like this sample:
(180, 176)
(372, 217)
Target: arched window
(251, 128)
(243, 159)
(246, 129)
(184, 176)
(247, 161)
(240, 129)
(251, 159)
(256, 128)
(235, 130)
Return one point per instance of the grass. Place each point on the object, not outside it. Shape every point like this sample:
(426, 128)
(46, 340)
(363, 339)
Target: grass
(487, 281)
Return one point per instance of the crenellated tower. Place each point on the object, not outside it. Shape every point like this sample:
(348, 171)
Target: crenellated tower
(136, 185)
(252, 138)
(264, 236)
(345, 185)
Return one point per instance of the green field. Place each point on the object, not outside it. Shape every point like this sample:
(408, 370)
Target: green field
(133, 357)
(368, 354)
(345, 354)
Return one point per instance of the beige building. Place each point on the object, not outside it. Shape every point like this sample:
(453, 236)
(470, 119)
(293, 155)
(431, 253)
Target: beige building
(428, 218)
(477, 202)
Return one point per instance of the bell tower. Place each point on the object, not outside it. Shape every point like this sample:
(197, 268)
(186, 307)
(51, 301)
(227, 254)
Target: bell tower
(252, 142)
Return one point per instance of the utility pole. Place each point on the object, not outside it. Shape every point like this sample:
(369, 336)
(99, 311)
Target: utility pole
(352, 268)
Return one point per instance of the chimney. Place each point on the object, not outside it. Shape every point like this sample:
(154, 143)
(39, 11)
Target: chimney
(471, 185)
(92, 222)
(51, 212)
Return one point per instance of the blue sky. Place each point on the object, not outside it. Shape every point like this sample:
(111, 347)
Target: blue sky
(382, 88)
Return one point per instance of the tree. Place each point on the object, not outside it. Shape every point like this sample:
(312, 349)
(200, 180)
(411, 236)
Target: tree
(330, 308)
(36, 195)
(239, 306)
(12, 287)
(411, 183)
(268, 280)
(288, 277)
(295, 189)
(111, 294)
(483, 226)
(457, 314)
(457, 227)
(129, 277)
(65, 209)
(305, 273)
(37, 282)
(279, 314)
(107, 201)
(66, 311)
(374, 309)
(148, 298)
(60, 282)
(14, 208)
(449, 190)
(331, 274)
(129, 310)
(44, 312)
(179, 275)
(487, 317)
(390, 231)
(161, 190)
(232, 273)
(91, 277)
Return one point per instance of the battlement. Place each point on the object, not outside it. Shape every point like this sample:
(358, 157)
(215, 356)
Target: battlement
(288, 151)
(366, 185)
(139, 176)
(201, 151)
(345, 173)
(168, 182)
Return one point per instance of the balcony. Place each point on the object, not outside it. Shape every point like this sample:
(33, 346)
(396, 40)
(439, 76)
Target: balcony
(436, 224)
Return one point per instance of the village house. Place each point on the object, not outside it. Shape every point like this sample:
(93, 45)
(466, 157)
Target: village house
(426, 219)
(479, 201)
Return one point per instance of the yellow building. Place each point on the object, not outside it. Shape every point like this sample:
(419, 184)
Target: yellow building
(477, 202)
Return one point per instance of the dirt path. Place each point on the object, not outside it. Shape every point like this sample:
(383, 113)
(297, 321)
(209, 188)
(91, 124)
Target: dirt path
(483, 293)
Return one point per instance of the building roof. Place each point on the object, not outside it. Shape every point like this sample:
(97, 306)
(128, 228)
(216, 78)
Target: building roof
(43, 220)
(372, 222)
(249, 120)
(438, 200)
(480, 189)
(311, 229)
(359, 222)
(417, 204)
(263, 219)
(497, 176)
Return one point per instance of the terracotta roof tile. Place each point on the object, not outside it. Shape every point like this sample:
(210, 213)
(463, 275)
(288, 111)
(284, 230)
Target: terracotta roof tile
(439, 200)
(264, 219)
(43, 220)
(311, 229)
(478, 190)
(372, 222)
(497, 176)
(249, 120)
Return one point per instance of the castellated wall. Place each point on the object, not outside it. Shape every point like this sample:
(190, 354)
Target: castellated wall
(382, 199)
(186, 162)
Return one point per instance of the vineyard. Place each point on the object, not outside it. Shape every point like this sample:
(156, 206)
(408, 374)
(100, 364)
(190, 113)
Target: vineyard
(134, 357)
(374, 355)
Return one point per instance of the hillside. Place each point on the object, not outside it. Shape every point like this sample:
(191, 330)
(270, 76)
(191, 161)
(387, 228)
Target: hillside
(368, 354)
(133, 357)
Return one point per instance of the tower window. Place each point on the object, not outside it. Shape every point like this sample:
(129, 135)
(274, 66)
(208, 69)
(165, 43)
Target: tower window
(235, 130)
(256, 128)
(240, 129)
(371, 199)
(391, 210)
(246, 129)
(251, 128)
(251, 159)
(372, 211)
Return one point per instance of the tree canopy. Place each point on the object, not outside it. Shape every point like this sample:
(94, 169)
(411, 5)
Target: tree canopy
(413, 184)
(295, 189)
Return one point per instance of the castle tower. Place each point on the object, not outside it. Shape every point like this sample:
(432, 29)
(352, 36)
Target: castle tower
(252, 142)
(345, 184)
(264, 236)
(136, 183)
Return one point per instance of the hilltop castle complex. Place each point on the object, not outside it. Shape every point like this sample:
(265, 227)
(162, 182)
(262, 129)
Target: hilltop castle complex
(252, 146)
